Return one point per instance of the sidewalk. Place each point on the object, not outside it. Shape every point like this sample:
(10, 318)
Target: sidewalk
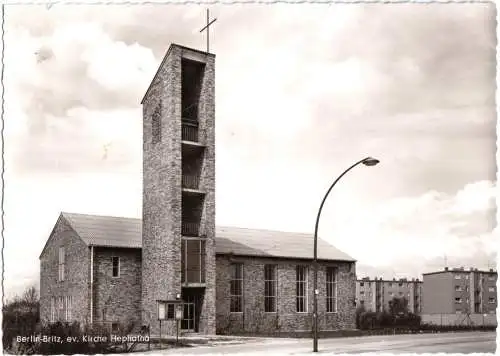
(192, 340)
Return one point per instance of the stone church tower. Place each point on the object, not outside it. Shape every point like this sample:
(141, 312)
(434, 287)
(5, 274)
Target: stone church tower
(178, 214)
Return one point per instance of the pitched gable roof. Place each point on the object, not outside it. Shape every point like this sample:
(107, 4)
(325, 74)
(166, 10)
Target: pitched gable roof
(111, 231)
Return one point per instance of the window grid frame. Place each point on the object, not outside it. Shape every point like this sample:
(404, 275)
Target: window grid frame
(67, 307)
(331, 290)
(301, 289)
(236, 299)
(270, 288)
(202, 248)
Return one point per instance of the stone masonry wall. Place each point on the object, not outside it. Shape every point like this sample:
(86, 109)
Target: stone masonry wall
(162, 191)
(117, 299)
(161, 223)
(254, 320)
(77, 271)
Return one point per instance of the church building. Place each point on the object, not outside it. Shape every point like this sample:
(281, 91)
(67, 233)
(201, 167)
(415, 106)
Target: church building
(116, 271)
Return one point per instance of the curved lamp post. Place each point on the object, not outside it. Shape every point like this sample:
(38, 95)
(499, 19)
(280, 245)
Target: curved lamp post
(368, 161)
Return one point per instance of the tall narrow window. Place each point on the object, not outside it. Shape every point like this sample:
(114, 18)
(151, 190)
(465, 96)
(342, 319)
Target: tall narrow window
(193, 260)
(62, 260)
(236, 287)
(67, 315)
(192, 73)
(301, 289)
(156, 124)
(331, 290)
(270, 288)
(60, 313)
(52, 309)
(116, 266)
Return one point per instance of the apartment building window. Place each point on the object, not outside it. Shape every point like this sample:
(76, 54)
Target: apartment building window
(361, 284)
(491, 289)
(236, 288)
(331, 290)
(270, 288)
(362, 292)
(68, 307)
(301, 289)
(491, 300)
(391, 294)
(458, 300)
(458, 288)
(62, 262)
(457, 276)
(400, 284)
(52, 309)
(116, 266)
(491, 278)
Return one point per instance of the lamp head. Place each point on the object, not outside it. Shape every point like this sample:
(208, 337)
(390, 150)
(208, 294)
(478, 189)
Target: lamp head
(370, 161)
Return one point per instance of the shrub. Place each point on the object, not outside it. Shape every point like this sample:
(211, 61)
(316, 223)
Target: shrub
(381, 320)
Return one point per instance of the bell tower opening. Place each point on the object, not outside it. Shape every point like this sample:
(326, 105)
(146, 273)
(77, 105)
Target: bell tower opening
(192, 73)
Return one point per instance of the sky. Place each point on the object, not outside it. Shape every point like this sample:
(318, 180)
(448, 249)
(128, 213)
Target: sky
(302, 92)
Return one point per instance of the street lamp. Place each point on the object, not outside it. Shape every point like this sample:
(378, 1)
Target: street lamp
(368, 161)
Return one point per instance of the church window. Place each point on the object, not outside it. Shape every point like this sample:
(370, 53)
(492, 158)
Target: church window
(68, 308)
(116, 266)
(62, 262)
(270, 288)
(193, 260)
(236, 288)
(331, 290)
(301, 289)
(53, 309)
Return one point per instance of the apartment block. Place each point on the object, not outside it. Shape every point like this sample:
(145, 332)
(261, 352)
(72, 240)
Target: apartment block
(375, 294)
(460, 291)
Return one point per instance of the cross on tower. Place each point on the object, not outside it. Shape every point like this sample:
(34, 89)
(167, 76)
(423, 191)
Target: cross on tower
(207, 27)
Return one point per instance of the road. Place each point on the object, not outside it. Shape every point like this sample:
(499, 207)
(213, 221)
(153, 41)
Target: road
(466, 342)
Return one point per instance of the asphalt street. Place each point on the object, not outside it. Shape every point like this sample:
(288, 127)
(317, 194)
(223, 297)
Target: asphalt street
(466, 342)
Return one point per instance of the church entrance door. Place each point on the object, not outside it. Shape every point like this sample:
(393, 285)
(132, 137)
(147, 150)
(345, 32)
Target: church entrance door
(192, 305)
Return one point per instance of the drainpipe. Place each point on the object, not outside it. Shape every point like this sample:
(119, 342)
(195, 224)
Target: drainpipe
(91, 283)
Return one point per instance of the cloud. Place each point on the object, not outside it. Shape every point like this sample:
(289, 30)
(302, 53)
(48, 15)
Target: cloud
(302, 92)
(421, 228)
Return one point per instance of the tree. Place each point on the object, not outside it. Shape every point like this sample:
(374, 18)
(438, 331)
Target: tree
(30, 296)
(359, 311)
(20, 317)
(398, 306)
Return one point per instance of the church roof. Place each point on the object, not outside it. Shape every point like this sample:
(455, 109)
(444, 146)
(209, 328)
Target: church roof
(108, 231)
